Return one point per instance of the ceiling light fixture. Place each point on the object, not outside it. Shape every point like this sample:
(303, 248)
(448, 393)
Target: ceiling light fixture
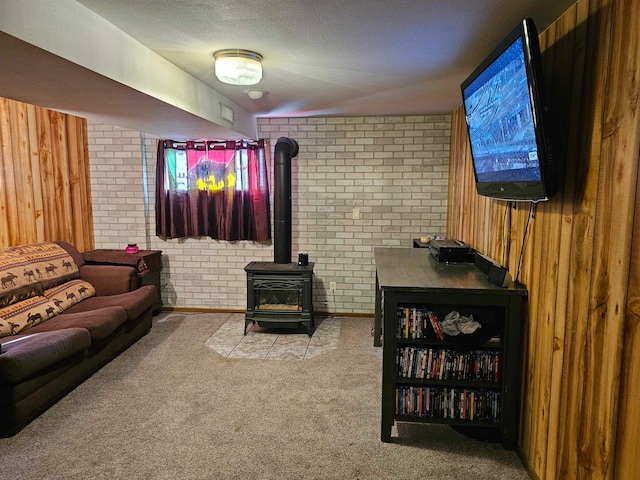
(238, 67)
(254, 94)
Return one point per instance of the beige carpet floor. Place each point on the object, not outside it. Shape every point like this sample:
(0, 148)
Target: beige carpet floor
(171, 407)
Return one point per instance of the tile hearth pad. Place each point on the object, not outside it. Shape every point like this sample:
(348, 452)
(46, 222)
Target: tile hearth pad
(269, 344)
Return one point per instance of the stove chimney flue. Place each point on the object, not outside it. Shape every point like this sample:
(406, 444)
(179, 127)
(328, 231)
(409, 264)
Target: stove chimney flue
(285, 150)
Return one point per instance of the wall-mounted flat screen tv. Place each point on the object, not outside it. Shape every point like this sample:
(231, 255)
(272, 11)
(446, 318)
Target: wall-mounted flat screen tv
(508, 121)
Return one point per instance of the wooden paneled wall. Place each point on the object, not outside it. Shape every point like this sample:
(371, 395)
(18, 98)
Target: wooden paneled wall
(580, 252)
(45, 193)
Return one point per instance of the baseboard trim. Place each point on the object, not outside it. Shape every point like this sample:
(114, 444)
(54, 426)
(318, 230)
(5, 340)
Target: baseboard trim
(201, 310)
(232, 310)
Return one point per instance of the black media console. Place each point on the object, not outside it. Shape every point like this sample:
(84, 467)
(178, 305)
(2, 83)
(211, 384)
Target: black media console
(469, 383)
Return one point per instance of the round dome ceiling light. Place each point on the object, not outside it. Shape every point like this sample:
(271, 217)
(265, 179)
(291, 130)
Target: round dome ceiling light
(238, 67)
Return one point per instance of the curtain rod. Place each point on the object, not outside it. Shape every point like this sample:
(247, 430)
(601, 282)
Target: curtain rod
(213, 143)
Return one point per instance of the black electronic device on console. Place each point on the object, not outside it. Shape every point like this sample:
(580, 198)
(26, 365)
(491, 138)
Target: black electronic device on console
(496, 274)
(451, 251)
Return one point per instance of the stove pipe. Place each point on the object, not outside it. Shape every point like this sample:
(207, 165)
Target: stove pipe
(285, 150)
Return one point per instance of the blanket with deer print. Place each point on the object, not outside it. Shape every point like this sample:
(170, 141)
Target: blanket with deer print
(37, 282)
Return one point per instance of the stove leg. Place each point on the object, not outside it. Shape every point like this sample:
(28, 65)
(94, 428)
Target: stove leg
(310, 326)
(246, 322)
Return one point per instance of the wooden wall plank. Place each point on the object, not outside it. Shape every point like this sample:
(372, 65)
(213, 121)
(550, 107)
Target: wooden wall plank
(616, 204)
(22, 171)
(60, 154)
(84, 178)
(5, 208)
(627, 461)
(574, 458)
(34, 157)
(569, 60)
(75, 193)
(10, 193)
(580, 211)
(531, 275)
(41, 162)
(457, 170)
(47, 174)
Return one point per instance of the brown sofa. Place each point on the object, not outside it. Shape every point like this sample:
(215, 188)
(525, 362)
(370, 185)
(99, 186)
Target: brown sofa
(60, 321)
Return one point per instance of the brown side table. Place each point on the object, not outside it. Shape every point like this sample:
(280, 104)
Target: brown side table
(148, 264)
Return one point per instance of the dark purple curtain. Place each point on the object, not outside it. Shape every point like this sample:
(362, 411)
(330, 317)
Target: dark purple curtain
(212, 188)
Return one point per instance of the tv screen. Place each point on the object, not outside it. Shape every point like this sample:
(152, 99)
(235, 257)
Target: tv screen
(507, 121)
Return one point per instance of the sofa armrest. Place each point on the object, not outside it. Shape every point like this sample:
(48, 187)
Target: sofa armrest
(110, 279)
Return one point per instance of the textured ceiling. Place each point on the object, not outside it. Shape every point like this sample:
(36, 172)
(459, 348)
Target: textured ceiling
(147, 65)
(351, 57)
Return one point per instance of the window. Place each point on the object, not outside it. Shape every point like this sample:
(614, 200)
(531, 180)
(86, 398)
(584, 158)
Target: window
(212, 188)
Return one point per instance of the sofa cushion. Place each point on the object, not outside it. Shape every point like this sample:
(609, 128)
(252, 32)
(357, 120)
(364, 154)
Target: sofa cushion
(27, 355)
(134, 303)
(100, 322)
(18, 317)
(69, 293)
(110, 279)
(46, 264)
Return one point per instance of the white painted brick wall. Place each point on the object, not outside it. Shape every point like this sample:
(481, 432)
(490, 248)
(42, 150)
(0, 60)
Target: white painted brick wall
(393, 169)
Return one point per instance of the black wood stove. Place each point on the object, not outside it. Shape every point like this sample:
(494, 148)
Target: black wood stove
(280, 293)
